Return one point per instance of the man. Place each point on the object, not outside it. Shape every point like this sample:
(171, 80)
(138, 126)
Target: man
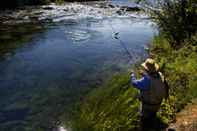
(153, 88)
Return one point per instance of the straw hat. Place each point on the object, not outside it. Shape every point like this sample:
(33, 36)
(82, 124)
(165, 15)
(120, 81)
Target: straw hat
(150, 65)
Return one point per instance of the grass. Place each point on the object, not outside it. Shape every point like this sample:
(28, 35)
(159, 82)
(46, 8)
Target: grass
(109, 108)
(113, 106)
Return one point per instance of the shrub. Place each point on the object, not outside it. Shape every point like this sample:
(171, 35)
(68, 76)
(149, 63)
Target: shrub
(177, 20)
(181, 73)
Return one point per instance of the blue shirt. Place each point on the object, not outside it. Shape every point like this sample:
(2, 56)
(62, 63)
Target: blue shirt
(141, 84)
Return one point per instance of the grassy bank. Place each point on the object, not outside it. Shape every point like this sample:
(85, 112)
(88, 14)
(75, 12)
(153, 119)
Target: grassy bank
(114, 107)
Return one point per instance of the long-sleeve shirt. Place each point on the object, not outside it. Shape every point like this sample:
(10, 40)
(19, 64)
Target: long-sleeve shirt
(141, 84)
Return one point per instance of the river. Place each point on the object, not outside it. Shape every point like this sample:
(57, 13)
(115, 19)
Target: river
(49, 63)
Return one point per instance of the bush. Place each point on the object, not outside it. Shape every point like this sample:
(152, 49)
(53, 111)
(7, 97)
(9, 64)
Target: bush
(181, 72)
(177, 20)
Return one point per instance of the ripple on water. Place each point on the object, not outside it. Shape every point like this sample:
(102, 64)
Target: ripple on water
(79, 35)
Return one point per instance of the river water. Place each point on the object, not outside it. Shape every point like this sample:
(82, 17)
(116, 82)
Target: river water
(46, 66)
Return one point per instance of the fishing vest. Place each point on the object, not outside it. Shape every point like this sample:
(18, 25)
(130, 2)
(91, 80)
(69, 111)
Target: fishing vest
(156, 91)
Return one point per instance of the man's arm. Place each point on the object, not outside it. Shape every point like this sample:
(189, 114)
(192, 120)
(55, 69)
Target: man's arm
(141, 84)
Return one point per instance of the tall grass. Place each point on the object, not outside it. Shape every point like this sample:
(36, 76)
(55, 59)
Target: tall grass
(111, 107)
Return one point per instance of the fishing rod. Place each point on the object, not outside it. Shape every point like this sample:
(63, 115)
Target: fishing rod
(117, 37)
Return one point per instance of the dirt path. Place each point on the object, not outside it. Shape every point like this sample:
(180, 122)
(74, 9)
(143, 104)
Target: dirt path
(186, 120)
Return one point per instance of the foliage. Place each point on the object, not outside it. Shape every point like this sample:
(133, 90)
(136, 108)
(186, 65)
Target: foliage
(112, 107)
(176, 19)
(181, 71)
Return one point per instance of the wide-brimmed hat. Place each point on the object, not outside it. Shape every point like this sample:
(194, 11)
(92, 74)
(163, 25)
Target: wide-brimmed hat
(150, 65)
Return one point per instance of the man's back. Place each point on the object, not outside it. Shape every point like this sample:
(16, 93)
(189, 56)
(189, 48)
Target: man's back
(156, 90)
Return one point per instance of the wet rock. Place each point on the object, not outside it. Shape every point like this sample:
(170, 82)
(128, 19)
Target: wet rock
(120, 12)
(111, 6)
(103, 5)
(26, 18)
(33, 18)
(57, 13)
(47, 8)
(66, 10)
(38, 13)
(126, 8)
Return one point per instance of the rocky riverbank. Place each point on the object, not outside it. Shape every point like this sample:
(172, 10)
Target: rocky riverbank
(56, 13)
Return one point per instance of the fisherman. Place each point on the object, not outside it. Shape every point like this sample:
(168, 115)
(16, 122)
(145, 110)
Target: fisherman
(153, 88)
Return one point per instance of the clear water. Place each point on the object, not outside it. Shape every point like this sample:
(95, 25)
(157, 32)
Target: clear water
(45, 73)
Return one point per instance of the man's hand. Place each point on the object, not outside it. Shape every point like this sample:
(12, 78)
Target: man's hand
(131, 72)
(141, 72)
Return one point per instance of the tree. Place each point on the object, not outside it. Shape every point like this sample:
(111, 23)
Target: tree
(176, 19)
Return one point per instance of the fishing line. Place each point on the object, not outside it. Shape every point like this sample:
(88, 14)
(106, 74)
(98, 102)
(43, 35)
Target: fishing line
(116, 36)
(122, 43)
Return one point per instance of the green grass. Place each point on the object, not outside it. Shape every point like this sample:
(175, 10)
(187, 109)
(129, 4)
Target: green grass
(113, 106)
(109, 108)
